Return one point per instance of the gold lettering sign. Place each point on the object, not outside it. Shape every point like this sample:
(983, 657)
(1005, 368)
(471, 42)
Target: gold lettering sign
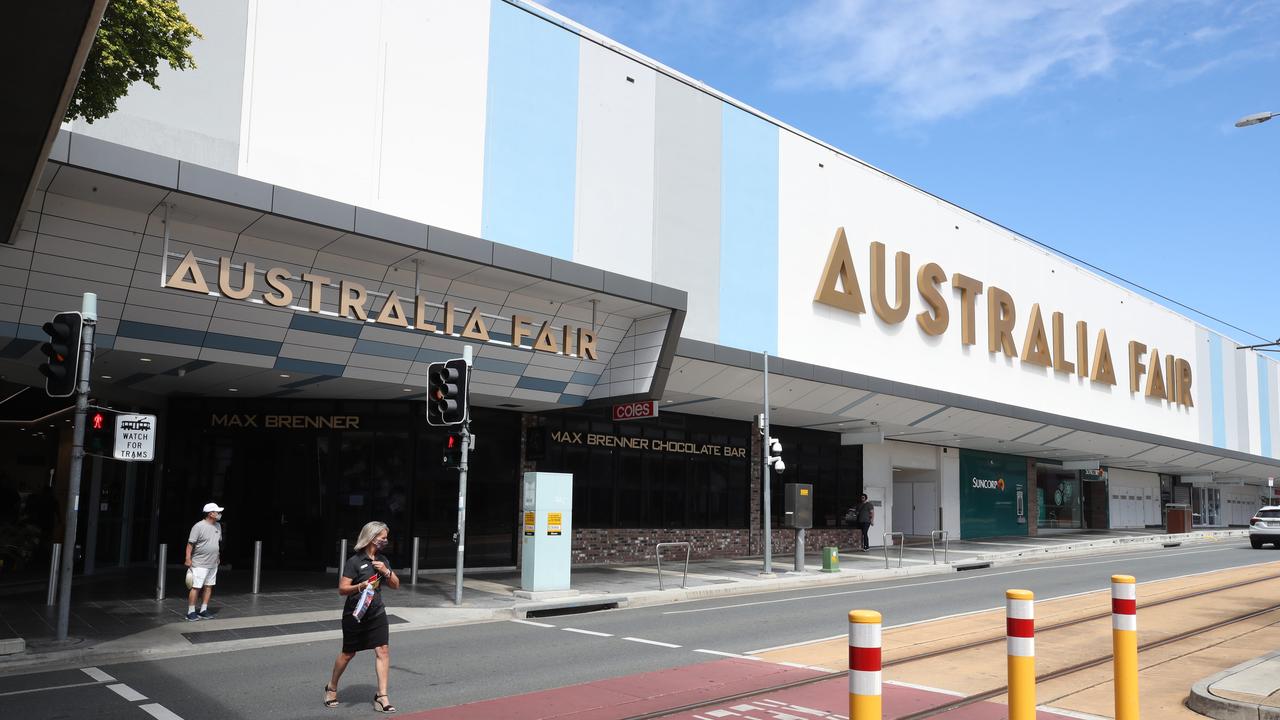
(285, 422)
(354, 301)
(1156, 375)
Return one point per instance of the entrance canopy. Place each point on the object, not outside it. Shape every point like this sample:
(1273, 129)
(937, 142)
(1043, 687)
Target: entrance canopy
(714, 380)
(212, 284)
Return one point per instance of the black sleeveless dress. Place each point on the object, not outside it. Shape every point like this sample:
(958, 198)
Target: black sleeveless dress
(371, 630)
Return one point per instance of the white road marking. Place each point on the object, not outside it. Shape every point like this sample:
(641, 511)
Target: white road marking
(727, 654)
(587, 632)
(1069, 713)
(43, 689)
(97, 674)
(968, 578)
(926, 688)
(651, 642)
(126, 692)
(535, 624)
(160, 712)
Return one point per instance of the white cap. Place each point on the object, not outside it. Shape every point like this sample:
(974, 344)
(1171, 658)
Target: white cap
(212, 507)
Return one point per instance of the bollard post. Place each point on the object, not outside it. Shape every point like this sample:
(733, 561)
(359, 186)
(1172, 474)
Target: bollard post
(257, 564)
(55, 557)
(164, 558)
(1020, 628)
(864, 665)
(413, 567)
(1124, 644)
(342, 555)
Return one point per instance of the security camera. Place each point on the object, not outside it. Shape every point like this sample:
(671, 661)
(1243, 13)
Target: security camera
(779, 466)
(775, 446)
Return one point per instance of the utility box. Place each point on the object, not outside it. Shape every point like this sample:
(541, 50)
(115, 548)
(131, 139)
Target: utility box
(830, 559)
(547, 531)
(798, 506)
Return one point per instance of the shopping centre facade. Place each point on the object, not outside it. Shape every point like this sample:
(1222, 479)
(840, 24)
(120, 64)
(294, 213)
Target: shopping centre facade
(284, 238)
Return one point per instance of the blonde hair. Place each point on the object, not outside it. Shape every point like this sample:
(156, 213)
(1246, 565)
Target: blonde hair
(368, 533)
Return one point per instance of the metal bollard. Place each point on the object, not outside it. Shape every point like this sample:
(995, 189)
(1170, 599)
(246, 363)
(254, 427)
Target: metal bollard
(342, 555)
(257, 564)
(55, 560)
(1124, 644)
(864, 665)
(413, 567)
(164, 557)
(1020, 627)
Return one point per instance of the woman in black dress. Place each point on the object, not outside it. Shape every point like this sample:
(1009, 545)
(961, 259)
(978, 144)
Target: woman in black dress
(368, 568)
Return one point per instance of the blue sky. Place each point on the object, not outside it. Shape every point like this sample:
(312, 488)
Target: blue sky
(1103, 128)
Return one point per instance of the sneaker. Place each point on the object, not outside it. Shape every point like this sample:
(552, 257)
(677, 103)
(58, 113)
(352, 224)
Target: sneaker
(192, 617)
(205, 615)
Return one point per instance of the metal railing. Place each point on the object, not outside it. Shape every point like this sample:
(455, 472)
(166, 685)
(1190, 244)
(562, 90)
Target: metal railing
(933, 544)
(688, 547)
(902, 539)
(55, 562)
(413, 567)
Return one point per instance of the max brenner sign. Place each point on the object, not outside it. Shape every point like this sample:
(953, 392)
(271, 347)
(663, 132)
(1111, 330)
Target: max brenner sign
(354, 302)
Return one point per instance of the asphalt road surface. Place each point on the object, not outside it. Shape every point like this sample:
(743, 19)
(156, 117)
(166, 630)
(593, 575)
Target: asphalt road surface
(448, 666)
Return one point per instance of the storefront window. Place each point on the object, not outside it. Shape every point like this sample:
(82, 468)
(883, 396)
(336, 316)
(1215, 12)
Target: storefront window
(675, 471)
(817, 458)
(1058, 493)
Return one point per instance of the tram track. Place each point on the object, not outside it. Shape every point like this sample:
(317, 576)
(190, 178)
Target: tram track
(1002, 690)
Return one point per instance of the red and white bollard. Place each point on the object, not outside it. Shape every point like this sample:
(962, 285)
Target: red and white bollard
(1020, 624)
(864, 665)
(1124, 644)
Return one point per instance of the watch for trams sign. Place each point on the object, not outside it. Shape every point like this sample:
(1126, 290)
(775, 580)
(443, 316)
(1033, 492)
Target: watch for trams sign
(135, 438)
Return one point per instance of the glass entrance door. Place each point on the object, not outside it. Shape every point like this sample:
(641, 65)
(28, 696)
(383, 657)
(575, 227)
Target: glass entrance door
(1206, 507)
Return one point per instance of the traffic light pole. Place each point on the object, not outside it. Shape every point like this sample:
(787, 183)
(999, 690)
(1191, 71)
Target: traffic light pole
(462, 486)
(766, 491)
(89, 309)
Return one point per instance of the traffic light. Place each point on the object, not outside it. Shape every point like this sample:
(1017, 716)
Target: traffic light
(452, 457)
(100, 433)
(63, 351)
(447, 392)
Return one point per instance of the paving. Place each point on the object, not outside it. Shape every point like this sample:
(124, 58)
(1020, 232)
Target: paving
(1248, 691)
(116, 617)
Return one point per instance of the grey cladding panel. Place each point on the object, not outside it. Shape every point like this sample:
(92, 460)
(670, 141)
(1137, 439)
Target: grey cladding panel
(390, 227)
(575, 274)
(312, 208)
(447, 242)
(227, 187)
(522, 261)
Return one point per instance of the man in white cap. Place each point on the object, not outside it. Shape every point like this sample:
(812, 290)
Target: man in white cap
(204, 552)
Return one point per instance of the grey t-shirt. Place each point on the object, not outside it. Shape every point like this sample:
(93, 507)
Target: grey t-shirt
(864, 512)
(206, 542)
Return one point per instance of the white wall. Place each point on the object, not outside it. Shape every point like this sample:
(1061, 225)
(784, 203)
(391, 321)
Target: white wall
(1124, 485)
(949, 489)
(927, 462)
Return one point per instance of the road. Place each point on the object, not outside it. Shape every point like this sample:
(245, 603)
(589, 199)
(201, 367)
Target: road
(448, 666)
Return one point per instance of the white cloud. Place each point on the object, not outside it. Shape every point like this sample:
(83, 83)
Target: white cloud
(933, 58)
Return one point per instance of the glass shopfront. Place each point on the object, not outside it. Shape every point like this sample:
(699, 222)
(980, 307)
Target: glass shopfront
(301, 475)
(673, 471)
(1060, 497)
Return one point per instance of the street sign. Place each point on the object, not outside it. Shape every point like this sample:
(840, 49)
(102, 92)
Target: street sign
(635, 410)
(135, 438)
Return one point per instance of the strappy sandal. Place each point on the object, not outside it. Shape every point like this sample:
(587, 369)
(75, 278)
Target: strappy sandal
(381, 706)
(327, 702)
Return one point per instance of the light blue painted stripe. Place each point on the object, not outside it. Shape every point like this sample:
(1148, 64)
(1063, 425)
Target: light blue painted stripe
(309, 366)
(748, 232)
(1264, 405)
(1217, 395)
(317, 324)
(533, 383)
(582, 378)
(531, 133)
(505, 367)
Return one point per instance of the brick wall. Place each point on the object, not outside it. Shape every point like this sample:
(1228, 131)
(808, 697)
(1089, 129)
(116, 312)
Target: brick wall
(597, 545)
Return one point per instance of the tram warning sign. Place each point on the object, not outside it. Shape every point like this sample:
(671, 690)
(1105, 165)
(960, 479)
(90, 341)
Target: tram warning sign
(135, 438)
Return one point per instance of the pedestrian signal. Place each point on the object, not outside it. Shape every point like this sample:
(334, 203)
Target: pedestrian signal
(452, 457)
(100, 433)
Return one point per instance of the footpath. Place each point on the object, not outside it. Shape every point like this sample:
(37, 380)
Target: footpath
(116, 618)
(1248, 691)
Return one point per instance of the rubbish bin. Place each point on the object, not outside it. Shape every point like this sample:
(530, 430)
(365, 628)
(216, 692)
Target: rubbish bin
(830, 559)
(1177, 518)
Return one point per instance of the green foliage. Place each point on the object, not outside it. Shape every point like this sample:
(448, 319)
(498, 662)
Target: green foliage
(135, 35)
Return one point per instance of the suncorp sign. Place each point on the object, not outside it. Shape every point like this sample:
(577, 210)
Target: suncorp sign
(988, 484)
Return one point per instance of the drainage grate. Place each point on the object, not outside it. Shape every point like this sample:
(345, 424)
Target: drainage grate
(972, 566)
(570, 610)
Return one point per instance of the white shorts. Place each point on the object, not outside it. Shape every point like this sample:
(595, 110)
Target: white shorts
(204, 576)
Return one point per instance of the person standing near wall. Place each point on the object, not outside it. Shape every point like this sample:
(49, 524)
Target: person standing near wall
(864, 513)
